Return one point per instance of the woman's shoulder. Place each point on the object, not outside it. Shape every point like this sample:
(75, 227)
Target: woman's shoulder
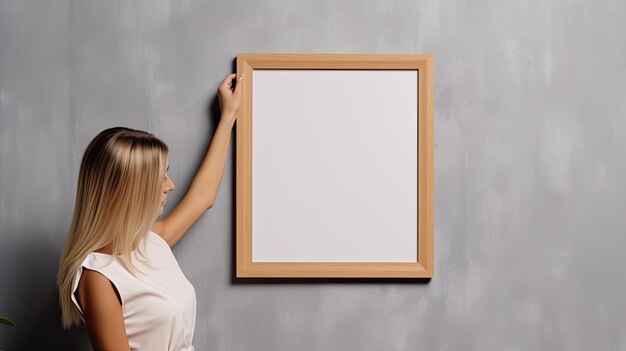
(95, 288)
(94, 283)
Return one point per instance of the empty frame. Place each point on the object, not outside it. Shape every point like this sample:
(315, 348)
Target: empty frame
(335, 166)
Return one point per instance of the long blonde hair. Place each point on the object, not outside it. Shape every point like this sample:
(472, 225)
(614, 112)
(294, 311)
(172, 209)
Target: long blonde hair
(120, 183)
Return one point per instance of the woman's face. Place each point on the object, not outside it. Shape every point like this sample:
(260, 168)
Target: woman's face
(169, 185)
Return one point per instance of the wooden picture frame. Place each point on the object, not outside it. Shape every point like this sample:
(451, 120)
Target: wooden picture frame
(355, 66)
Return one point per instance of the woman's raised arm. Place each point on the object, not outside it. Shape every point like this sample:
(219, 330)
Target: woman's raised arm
(204, 186)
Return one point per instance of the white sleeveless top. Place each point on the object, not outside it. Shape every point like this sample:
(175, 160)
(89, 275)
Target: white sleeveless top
(159, 308)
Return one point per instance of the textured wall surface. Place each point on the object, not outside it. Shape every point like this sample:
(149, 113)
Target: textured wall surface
(530, 126)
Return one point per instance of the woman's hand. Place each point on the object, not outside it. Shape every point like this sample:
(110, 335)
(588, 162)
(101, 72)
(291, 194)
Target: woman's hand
(229, 98)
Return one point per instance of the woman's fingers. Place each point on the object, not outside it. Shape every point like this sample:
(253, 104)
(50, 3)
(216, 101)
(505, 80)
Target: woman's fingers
(230, 99)
(229, 77)
(239, 84)
(227, 82)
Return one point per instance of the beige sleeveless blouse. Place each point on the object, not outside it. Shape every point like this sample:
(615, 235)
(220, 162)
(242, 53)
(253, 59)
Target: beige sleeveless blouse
(159, 307)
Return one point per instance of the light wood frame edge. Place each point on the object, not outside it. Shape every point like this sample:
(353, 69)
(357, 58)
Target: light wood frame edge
(424, 267)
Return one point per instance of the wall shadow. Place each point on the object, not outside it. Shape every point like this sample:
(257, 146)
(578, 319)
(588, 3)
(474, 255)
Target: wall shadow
(38, 325)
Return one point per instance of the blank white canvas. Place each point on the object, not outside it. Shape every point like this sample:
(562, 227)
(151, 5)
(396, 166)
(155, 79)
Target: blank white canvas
(334, 171)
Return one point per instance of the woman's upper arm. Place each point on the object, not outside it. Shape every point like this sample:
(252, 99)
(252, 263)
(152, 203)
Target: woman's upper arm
(102, 311)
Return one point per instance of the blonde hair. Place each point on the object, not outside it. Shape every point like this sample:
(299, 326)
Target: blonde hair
(120, 183)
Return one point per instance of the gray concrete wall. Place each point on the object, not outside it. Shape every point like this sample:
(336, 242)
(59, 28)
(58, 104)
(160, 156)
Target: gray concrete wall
(529, 168)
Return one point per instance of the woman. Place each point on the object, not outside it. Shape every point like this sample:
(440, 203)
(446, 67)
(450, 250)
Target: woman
(117, 272)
